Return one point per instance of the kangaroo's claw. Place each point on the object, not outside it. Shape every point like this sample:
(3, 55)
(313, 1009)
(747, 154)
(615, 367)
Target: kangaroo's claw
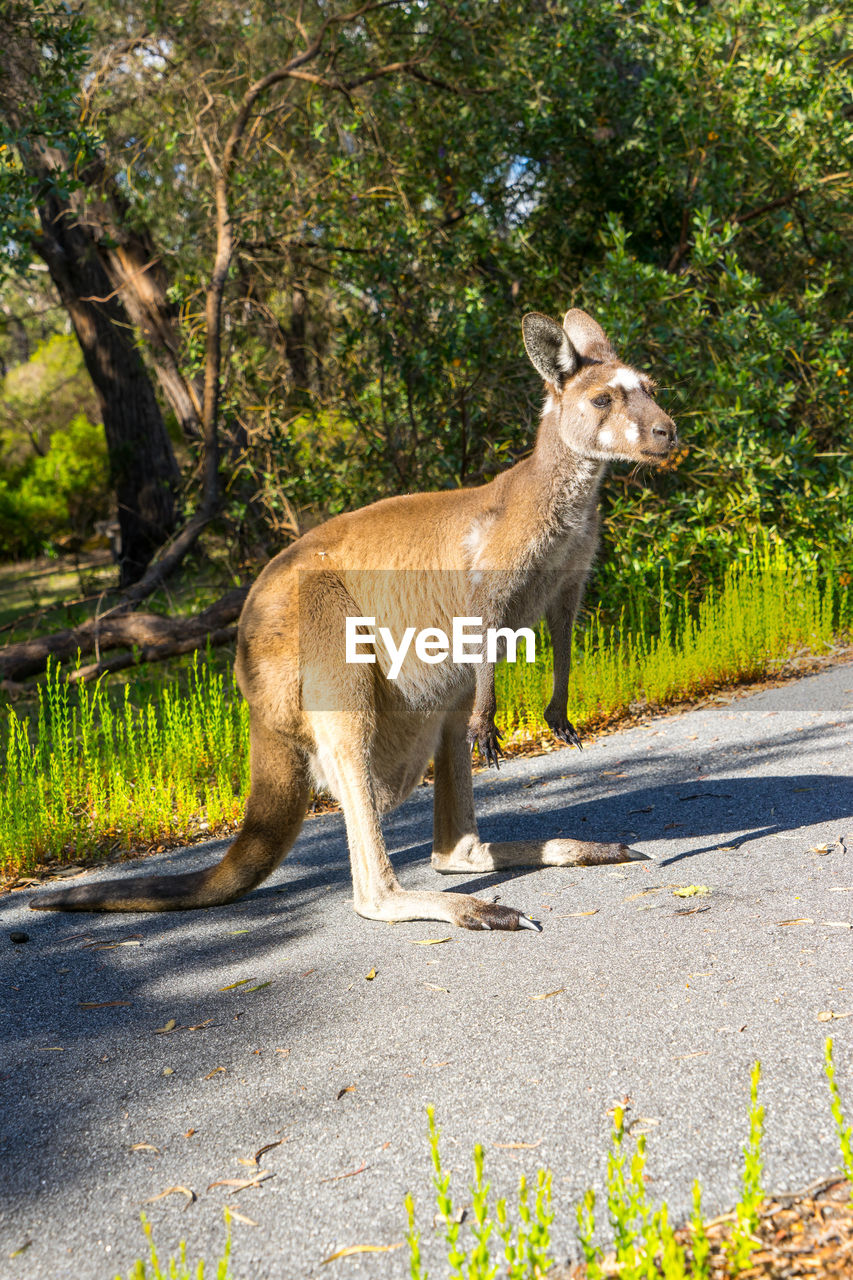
(488, 915)
(485, 737)
(566, 732)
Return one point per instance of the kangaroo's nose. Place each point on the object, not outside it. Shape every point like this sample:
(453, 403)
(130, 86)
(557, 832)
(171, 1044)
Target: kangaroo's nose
(664, 430)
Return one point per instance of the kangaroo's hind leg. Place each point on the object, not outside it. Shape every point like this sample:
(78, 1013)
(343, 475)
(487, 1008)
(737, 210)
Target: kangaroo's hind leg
(457, 848)
(343, 749)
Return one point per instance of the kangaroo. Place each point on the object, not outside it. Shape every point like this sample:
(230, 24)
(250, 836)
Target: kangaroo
(507, 553)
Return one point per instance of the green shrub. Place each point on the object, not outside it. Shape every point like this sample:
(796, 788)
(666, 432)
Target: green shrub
(60, 493)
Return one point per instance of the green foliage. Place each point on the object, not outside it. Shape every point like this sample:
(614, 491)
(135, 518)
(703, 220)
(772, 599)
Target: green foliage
(98, 768)
(700, 1245)
(644, 1244)
(61, 492)
(526, 1247)
(743, 1242)
(845, 1131)
(54, 471)
(663, 650)
(178, 1268)
(49, 46)
(40, 396)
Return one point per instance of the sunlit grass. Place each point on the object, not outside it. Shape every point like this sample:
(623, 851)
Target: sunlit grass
(767, 608)
(116, 766)
(91, 773)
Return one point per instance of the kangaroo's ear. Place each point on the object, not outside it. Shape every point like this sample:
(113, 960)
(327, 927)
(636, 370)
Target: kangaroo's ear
(549, 347)
(587, 336)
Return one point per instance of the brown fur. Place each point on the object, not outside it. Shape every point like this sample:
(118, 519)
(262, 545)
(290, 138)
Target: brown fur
(508, 552)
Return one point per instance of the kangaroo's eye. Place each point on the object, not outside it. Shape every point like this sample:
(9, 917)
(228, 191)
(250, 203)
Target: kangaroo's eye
(601, 402)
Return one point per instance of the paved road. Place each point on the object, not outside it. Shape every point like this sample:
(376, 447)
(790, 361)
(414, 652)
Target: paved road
(665, 1007)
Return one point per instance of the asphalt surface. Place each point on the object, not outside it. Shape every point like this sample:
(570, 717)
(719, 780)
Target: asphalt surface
(663, 1000)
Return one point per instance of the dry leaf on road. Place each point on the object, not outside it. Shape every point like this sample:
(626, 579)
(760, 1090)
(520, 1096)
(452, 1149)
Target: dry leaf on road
(547, 994)
(184, 1191)
(428, 942)
(690, 890)
(368, 977)
(243, 1184)
(336, 1177)
(362, 1248)
(102, 1004)
(240, 1217)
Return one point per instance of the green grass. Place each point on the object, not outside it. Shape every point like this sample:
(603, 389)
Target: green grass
(161, 759)
(178, 1268)
(767, 607)
(90, 772)
(643, 1242)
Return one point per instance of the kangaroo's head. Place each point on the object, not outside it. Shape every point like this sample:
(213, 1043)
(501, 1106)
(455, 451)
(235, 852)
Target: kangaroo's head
(599, 407)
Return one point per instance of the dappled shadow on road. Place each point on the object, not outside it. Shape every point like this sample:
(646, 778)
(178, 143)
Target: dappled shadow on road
(63, 1065)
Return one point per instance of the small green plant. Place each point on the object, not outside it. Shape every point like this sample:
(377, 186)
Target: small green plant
(845, 1132)
(743, 1243)
(526, 1248)
(178, 1268)
(700, 1244)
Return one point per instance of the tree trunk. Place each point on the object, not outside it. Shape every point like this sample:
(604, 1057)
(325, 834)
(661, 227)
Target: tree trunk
(142, 463)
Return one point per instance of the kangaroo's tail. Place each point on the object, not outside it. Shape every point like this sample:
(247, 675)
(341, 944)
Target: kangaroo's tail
(274, 813)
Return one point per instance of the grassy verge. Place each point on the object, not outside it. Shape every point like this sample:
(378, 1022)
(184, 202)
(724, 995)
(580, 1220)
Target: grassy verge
(804, 1234)
(767, 607)
(123, 765)
(760, 1238)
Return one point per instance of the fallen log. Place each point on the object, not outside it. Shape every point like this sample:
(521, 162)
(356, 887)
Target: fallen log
(152, 653)
(150, 633)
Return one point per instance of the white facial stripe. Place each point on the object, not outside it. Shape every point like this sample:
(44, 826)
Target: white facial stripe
(625, 378)
(550, 404)
(605, 436)
(631, 432)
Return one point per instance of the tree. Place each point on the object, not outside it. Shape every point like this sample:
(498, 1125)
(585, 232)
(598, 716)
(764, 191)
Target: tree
(54, 172)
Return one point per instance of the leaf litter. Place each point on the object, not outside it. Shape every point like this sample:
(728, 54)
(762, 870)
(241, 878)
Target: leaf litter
(243, 1184)
(240, 1217)
(256, 1158)
(179, 1190)
(336, 1177)
(361, 1248)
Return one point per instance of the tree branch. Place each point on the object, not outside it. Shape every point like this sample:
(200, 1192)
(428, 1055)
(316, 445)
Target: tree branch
(155, 635)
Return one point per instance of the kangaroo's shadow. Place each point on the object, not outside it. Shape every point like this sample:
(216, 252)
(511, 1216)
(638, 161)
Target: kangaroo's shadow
(729, 811)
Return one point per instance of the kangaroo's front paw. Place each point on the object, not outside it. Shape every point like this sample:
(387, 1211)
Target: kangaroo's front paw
(483, 733)
(562, 728)
(488, 915)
